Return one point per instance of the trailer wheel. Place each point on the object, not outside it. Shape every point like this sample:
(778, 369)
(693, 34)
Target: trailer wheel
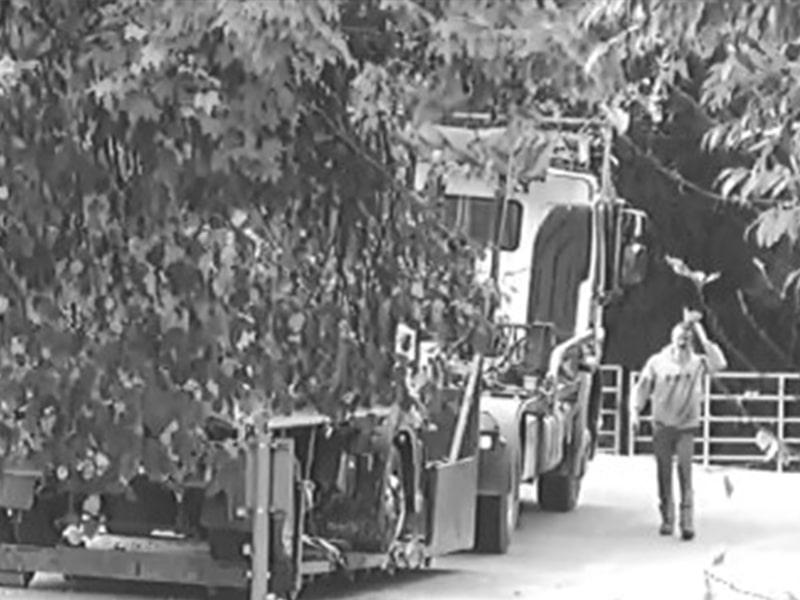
(496, 519)
(558, 493)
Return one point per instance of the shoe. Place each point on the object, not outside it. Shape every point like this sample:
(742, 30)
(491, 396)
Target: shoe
(687, 523)
(667, 511)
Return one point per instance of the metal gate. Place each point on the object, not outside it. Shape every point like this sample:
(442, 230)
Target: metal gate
(746, 418)
(609, 430)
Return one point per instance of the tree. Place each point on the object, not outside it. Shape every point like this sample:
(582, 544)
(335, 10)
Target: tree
(203, 212)
(719, 73)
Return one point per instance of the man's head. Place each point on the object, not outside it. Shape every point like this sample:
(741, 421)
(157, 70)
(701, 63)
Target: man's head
(681, 336)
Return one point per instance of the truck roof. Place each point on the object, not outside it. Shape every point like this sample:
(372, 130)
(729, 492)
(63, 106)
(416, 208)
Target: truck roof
(471, 145)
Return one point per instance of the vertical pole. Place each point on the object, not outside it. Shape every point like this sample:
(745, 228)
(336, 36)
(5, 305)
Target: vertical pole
(617, 407)
(466, 406)
(631, 432)
(259, 589)
(507, 193)
(781, 416)
(609, 201)
(707, 421)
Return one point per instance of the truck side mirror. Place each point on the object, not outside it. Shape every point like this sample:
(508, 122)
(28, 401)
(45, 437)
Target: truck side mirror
(633, 260)
(634, 264)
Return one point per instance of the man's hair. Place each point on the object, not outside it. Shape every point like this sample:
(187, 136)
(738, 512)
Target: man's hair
(680, 326)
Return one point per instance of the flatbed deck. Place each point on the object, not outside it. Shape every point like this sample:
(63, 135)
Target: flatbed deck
(155, 560)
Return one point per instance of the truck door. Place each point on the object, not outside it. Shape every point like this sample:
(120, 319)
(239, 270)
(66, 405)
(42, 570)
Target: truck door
(452, 467)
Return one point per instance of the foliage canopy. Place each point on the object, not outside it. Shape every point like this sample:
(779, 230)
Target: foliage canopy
(205, 205)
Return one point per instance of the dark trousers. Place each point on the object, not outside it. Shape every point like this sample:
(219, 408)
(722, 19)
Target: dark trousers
(669, 442)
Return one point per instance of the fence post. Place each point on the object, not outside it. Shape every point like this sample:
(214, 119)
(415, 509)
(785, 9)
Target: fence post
(617, 407)
(631, 433)
(262, 485)
(707, 420)
(781, 417)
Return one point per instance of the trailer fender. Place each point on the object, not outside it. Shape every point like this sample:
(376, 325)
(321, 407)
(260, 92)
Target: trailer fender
(500, 444)
(579, 443)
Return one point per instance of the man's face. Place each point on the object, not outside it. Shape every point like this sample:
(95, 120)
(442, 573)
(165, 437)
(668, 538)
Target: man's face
(681, 336)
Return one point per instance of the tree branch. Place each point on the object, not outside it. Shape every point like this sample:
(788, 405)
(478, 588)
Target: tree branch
(763, 335)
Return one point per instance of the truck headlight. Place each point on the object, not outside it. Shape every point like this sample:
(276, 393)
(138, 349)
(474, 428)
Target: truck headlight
(487, 441)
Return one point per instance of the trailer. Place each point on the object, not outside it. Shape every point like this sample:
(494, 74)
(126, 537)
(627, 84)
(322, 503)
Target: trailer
(562, 247)
(385, 488)
(267, 540)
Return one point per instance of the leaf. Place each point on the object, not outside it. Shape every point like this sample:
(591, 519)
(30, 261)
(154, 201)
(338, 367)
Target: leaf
(156, 460)
(728, 485)
(768, 444)
(699, 278)
(775, 223)
(140, 107)
(152, 56)
(719, 558)
(134, 32)
(207, 101)
(790, 283)
(731, 179)
(238, 218)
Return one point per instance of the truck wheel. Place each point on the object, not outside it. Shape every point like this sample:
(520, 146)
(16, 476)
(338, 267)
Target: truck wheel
(496, 519)
(558, 493)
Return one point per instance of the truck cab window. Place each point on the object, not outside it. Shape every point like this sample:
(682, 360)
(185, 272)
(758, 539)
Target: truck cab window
(476, 216)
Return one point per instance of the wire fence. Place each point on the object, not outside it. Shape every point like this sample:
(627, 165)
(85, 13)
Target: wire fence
(746, 419)
(718, 587)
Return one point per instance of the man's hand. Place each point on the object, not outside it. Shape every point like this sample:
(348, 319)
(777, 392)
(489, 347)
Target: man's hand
(635, 422)
(692, 317)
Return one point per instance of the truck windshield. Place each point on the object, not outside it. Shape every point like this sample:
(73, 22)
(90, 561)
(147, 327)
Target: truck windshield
(475, 216)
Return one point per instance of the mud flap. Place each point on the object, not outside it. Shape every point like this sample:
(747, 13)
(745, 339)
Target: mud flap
(454, 490)
(17, 487)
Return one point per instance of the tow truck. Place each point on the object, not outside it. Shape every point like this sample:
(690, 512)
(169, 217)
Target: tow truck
(387, 488)
(562, 247)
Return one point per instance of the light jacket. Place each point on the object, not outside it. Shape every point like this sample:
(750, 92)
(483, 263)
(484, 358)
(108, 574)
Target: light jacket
(675, 389)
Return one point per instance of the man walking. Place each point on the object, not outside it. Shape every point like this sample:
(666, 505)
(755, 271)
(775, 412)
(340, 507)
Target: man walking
(672, 380)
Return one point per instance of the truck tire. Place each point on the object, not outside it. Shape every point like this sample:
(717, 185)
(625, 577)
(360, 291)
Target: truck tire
(496, 519)
(557, 492)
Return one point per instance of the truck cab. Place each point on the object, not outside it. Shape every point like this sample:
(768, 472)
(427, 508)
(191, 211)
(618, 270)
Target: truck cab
(559, 248)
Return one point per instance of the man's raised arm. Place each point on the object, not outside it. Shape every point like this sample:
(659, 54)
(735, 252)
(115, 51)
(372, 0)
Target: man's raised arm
(714, 355)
